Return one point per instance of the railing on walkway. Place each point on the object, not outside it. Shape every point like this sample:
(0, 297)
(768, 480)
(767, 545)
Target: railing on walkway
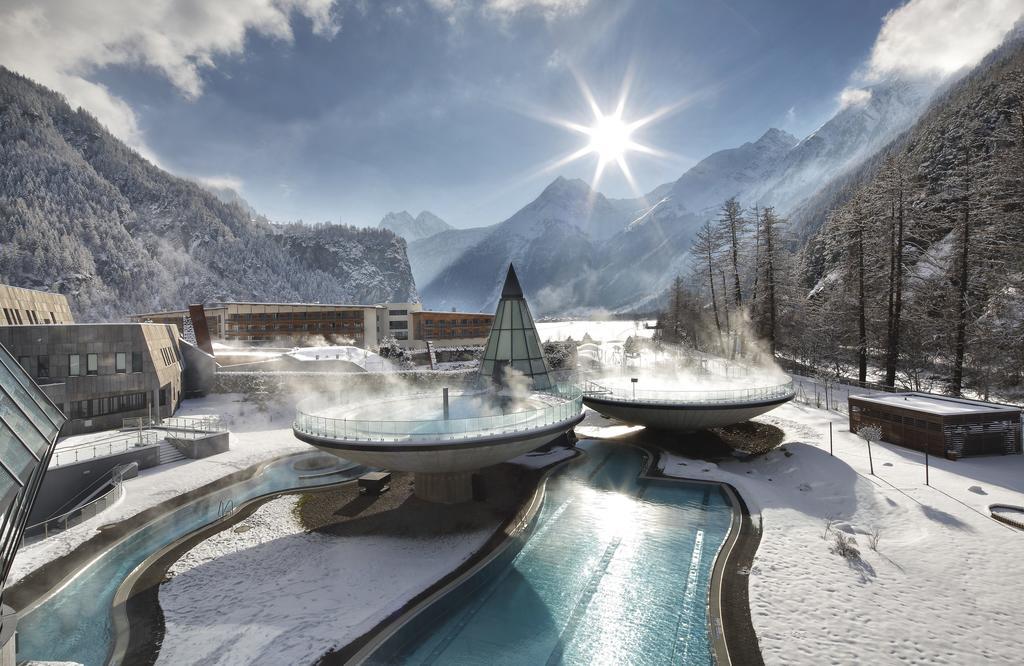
(82, 513)
(105, 447)
(569, 404)
(703, 397)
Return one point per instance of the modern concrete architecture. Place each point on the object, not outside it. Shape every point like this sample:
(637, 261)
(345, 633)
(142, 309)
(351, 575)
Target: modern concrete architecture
(285, 323)
(315, 324)
(28, 307)
(444, 438)
(939, 424)
(29, 426)
(98, 374)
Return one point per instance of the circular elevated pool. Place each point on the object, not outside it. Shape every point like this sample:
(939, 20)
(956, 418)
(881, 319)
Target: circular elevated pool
(686, 408)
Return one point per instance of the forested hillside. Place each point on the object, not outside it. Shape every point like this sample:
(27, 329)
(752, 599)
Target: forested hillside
(82, 214)
(915, 273)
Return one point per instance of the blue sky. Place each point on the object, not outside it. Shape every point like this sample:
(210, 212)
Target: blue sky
(344, 112)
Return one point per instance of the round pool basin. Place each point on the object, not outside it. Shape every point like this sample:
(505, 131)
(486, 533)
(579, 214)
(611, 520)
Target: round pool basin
(685, 410)
(411, 434)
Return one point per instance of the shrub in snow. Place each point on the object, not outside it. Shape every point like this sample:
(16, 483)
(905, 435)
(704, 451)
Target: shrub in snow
(845, 545)
(873, 539)
(829, 522)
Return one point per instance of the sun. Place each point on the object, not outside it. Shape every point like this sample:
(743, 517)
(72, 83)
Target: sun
(610, 138)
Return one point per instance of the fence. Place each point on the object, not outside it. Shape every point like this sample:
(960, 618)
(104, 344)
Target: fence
(712, 397)
(106, 447)
(569, 404)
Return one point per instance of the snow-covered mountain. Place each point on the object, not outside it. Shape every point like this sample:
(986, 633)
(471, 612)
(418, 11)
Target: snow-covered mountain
(547, 240)
(424, 225)
(856, 132)
(84, 215)
(728, 173)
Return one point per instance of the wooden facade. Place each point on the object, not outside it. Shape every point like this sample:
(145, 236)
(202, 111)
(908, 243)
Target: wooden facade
(443, 326)
(942, 425)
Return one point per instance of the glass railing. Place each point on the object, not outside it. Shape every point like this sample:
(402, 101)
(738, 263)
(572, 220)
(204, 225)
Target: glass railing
(565, 403)
(690, 397)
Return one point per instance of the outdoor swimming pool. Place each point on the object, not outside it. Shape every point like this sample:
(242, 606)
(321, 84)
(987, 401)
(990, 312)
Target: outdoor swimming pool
(615, 570)
(75, 623)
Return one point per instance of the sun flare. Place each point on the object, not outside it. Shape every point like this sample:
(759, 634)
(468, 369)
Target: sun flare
(610, 138)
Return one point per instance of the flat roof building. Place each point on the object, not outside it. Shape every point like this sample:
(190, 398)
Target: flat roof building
(286, 323)
(940, 424)
(316, 324)
(29, 307)
(98, 374)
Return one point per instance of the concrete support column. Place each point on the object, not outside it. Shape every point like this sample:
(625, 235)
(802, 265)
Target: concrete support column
(444, 487)
(8, 627)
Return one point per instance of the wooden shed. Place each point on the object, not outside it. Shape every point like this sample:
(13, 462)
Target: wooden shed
(946, 426)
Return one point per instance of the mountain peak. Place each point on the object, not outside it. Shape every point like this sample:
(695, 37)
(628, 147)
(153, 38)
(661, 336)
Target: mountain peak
(424, 225)
(775, 136)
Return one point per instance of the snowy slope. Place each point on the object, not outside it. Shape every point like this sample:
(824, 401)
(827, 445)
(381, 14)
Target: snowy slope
(424, 225)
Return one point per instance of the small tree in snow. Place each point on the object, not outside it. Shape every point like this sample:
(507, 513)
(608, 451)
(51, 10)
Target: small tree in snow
(391, 350)
(870, 434)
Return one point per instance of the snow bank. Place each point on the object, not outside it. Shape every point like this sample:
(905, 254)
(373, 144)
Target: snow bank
(267, 592)
(935, 591)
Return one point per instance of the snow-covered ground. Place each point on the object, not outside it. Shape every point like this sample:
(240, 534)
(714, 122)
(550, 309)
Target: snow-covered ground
(942, 587)
(365, 359)
(275, 594)
(600, 331)
(255, 437)
(267, 592)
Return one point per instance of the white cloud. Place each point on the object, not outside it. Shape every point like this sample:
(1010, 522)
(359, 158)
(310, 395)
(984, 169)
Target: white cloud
(940, 37)
(503, 10)
(854, 97)
(60, 43)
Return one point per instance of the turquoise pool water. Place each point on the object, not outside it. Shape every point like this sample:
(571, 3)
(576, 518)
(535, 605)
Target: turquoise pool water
(75, 623)
(616, 570)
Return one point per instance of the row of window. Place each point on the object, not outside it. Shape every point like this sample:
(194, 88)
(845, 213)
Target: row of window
(75, 366)
(87, 409)
(457, 322)
(345, 325)
(13, 317)
(323, 314)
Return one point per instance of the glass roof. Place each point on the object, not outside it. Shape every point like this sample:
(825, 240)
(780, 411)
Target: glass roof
(29, 425)
(513, 342)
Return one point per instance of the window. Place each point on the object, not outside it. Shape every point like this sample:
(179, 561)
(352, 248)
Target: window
(136, 361)
(74, 365)
(120, 362)
(43, 366)
(399, 325)
(397, 313)
(401, 335)
(92, 364)
(85, 409)
(26, 362)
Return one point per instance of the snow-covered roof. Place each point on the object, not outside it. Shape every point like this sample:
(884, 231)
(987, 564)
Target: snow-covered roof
(939, 405)
(365, 359)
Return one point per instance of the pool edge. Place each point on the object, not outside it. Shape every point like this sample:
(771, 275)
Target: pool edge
(515, 527)
(736, 553)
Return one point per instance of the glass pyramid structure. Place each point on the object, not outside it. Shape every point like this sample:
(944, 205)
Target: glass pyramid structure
(29, 425)
(513, 341)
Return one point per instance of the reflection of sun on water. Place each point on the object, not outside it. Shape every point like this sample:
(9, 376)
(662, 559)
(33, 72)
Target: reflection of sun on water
(620, 517)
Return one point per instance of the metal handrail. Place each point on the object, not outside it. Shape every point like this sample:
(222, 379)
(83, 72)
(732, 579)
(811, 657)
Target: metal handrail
(370, 430)
(712, 397)
(106, 447)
